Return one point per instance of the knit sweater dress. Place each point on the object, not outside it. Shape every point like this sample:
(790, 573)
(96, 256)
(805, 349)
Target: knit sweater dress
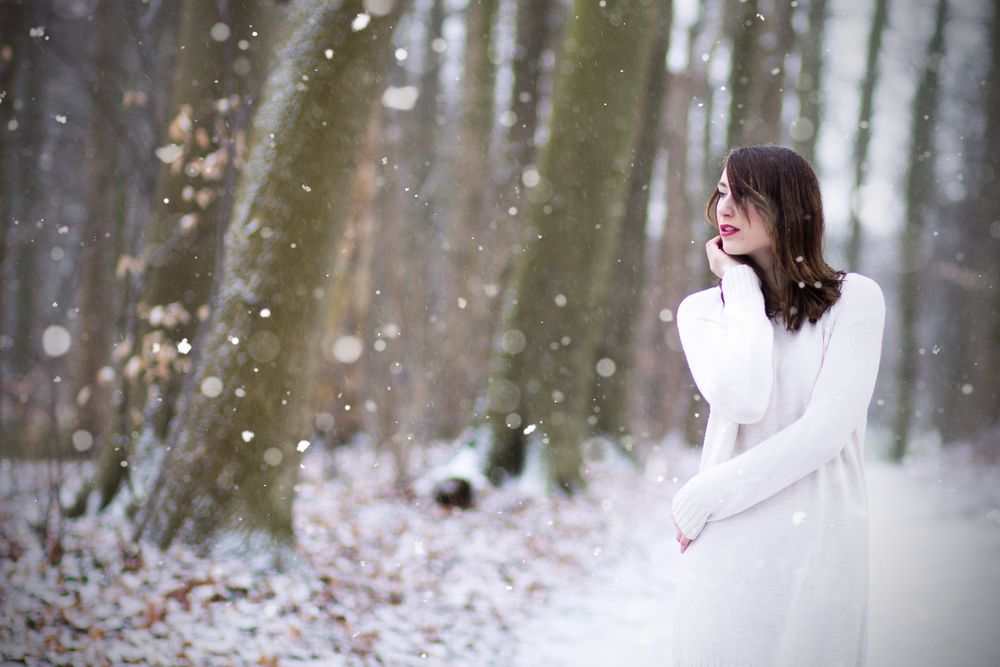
(777, 570)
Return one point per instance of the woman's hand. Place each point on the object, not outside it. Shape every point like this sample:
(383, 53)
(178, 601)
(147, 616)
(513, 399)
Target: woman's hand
(684, 542)
(719, 261)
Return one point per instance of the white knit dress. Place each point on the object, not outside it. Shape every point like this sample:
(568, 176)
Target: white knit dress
(777, 572)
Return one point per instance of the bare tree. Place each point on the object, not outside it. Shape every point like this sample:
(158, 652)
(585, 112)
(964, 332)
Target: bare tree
(863, 137)
(233, 458)
(920, 188)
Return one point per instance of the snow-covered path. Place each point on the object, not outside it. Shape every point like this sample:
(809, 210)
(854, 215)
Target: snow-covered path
(935, 582)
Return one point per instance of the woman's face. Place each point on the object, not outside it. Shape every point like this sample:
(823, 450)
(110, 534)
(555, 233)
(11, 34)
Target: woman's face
(742, 229)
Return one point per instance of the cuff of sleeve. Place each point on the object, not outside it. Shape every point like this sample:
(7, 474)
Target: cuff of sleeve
(741, 284)
(690, 517)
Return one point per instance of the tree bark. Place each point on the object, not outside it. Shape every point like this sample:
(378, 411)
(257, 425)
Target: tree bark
(233, 459)
(542, 372)
(920, 188)
(474, 206)
(745, 73)
(805, 131)
(101, 239)
(861, 141)
(771, 89)
(212, 84)
(612, 402)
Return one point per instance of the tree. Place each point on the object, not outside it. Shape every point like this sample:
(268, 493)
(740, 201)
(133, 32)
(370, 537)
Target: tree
(474, 203)
(612, 395)
(233, 455)
(100, 241)
(211, 87)
(771, 89)
(542, 371)
(863, 137)
(967, 394)
(672, 277)
(745, 73)
(919, 193)
(805, 131)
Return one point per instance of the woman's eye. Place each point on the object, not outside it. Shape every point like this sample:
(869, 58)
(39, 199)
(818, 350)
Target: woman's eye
(721, 193)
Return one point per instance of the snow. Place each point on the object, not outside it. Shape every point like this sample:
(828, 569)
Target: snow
(522, 580)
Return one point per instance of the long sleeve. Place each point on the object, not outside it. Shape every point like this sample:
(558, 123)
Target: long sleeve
(731, 357)
(837, 406)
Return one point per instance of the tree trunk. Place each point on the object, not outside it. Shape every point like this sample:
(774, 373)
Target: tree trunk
(612, 396)
(920, 188)
(534, 31)
(966, 406)
(542, 373)
(879, 20)
(233, 459)
(745, 76)
(988, 215)
(97, 292)
(11, 36)
(474, 194)
(805, 131)
(211, 86)
(771, 89)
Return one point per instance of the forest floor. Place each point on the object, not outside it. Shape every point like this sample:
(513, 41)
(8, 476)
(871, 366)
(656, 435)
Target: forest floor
(521, 580)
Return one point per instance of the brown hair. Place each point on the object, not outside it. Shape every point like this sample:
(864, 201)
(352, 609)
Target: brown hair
(783, 187)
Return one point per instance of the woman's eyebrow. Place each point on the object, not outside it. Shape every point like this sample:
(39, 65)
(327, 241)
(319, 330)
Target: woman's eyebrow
(722, 185)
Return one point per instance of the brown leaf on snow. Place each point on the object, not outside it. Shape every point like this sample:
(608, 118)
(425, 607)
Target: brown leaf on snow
(181, 592)
(152, 613)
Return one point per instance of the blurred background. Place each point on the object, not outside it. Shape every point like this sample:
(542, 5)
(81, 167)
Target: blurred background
(234, 229)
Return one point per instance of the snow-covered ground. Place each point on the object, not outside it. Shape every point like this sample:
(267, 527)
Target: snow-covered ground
(935, 579)
(520, 581)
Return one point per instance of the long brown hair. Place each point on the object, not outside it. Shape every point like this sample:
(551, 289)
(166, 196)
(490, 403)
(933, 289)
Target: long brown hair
(783, 187)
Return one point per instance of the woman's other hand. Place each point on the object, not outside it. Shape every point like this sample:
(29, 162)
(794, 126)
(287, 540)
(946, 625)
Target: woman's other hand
(684, 542)
(719, 261)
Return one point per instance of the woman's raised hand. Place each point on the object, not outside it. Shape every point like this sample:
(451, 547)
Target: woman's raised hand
(718, 259)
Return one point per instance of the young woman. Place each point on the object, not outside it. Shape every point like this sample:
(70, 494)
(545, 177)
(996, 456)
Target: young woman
(785, 350)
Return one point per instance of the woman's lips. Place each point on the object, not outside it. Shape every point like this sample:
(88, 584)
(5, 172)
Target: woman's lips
(727, 231)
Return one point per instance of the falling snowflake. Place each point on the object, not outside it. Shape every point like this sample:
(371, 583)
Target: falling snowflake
(184, 346)
(303, 445)
(211, 386)
(55, 340)
(360, 22)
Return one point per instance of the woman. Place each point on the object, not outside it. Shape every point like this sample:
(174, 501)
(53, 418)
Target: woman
(774, 527)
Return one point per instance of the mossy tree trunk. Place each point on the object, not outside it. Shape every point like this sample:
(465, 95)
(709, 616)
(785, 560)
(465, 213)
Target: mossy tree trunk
(880, 18)
(219, 69)
(542, 372)
(233, 458)
(215, 79)
(920, 188)
(613, 381)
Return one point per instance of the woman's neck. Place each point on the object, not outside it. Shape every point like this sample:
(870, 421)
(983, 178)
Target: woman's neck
(765, 260)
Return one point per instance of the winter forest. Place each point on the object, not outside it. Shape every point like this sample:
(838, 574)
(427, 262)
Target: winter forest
(342, 332)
